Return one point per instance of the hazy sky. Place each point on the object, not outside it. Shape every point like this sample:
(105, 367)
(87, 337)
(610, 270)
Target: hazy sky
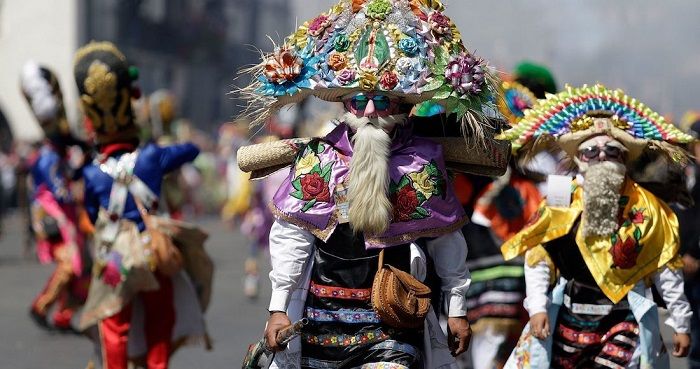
(649, 48)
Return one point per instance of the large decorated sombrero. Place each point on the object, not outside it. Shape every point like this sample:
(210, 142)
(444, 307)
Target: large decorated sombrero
(405, 48)
(567, 118)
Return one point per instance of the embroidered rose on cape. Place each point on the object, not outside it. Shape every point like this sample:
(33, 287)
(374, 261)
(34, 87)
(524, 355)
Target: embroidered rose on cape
(414, 189)
(625, 251)
(311, 179)
(405, 204)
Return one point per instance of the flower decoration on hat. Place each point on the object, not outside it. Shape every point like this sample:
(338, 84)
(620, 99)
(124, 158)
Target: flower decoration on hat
(570, 117)
(516, 100)
(409, 49)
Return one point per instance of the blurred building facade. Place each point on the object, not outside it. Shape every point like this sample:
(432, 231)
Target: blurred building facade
(193, 47)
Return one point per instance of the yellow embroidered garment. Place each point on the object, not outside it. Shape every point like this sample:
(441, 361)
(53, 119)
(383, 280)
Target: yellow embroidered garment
(646, 240)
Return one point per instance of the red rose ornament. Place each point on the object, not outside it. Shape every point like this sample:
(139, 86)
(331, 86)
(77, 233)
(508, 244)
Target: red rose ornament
(315, 188)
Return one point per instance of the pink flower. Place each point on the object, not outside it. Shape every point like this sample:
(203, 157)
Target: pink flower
(346, 77)
(318, 25)
(439, 23)
(465, 73)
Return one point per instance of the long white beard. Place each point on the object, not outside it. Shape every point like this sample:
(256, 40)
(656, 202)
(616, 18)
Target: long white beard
(601, 197)
(370, 210)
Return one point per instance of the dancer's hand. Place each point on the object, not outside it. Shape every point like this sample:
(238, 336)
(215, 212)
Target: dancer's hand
(681, 344)
(539, 325)
(459, 333)
(276, 322)
(691, 266)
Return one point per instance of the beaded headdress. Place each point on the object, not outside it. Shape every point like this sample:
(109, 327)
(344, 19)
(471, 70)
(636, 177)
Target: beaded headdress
(405, 48)
(104, 80)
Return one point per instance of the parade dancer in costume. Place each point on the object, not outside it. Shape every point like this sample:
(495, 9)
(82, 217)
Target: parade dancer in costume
(55, 213)
(608, 239)
(370, 184)
(139, 305)
(498, 211)
(162, 110)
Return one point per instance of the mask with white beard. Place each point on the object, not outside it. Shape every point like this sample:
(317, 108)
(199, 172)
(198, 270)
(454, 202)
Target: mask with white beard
(370, 210)
(601, 196)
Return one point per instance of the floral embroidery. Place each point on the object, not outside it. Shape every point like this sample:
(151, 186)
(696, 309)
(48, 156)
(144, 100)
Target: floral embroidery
(637, 216)
(347, 316)
(340, 293)
(343, 340)
(414, 189)
(311, 179)
(625, 252)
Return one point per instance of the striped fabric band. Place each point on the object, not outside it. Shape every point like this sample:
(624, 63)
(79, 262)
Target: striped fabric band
(578, 322)
(505, 284)
(493, 310)
(382, 365)
(307, 362)
(396, 346)
(501, 271)
(617, 352)
(340, 293)
(344, 340)
(348, 316)
(495, 297)
(607, 363)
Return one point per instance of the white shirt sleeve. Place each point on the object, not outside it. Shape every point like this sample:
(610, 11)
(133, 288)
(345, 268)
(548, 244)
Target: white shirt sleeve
(670, 285)
(290, 249)
(536, 287)
(449, 254)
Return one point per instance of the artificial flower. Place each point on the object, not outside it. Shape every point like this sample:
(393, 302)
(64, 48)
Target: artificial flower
(337, 61)
(282, 66)
(346, 77)
(388, 81)
(318, 25)
(341, 43)
(378, 9)
(409, 46)
(465, 73)
(439, 23)
(368, 81)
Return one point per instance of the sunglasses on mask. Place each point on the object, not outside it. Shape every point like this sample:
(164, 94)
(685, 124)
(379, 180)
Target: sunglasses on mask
(592, 152)
(381, 102)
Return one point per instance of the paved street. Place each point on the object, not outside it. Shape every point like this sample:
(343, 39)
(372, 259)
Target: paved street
(233, 320)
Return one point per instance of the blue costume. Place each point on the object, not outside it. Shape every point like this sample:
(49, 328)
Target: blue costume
(152, 164)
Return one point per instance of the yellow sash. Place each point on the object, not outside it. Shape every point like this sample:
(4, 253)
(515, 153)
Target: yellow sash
(647, 239)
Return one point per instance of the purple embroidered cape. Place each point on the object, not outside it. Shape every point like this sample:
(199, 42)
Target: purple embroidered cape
(423, 199)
